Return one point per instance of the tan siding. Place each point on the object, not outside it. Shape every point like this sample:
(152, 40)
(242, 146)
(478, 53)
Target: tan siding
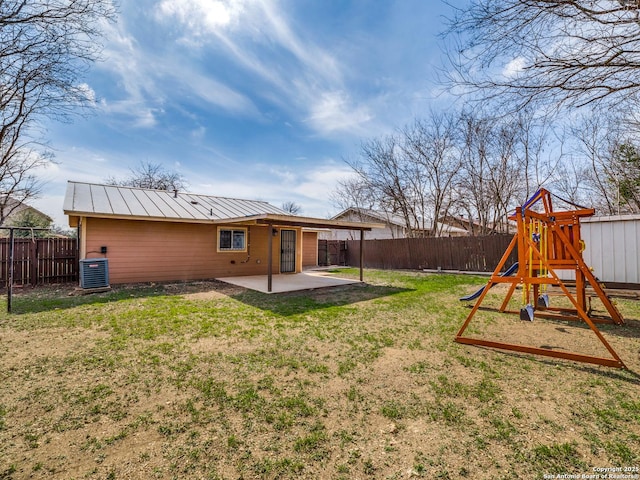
(309, 249)
(143, 251)
(298, 250)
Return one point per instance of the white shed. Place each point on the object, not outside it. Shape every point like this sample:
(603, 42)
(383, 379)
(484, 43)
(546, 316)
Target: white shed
(613, 247)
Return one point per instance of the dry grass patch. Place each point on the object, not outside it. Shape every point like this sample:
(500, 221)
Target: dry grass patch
(207, 381)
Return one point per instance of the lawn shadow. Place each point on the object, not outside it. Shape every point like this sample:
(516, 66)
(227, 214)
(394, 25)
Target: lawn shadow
(61, 297)
(65, 296)
(630, 329)
(295, 303)
(625, 375)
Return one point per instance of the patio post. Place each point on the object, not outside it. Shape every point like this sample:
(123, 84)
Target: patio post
(361, 254)
(269, 256)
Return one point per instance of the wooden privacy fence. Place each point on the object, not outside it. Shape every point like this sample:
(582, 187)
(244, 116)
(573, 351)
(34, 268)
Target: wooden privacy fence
(40, 261)
(475, 254)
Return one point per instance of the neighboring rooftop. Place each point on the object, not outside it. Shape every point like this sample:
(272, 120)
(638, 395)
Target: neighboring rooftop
(397, 220)
(16, 207)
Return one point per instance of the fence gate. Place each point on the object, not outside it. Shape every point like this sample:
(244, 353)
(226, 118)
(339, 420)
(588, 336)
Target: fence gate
(332, 252)
(40, 261)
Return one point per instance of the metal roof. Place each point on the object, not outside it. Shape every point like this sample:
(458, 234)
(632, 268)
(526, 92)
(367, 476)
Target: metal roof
(384, 217)
(397, 220)
(110, 201)
(309, 222)
(90, 199)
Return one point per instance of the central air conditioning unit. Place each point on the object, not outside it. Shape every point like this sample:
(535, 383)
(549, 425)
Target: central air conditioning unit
(94, 273)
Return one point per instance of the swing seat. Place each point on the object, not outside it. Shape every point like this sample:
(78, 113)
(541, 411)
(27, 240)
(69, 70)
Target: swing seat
(527, 313)
(543, 301)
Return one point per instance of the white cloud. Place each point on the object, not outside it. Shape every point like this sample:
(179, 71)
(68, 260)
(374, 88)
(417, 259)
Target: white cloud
(211, 91)
(319, 182)
(514, 67)
(202, 16)
(334, 111)
(311, 84)
(309, 188)
(149, 80)
(88, 93)
(124, 58)
(283, 174)
(198, 133)
(77, 164)
(51, 205)
(236, 25)
(80, 164)
(135, 112)
(313, 57)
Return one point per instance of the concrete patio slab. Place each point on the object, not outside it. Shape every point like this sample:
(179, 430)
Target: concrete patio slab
(288, 282)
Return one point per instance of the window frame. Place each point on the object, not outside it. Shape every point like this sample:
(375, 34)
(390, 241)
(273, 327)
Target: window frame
(233, 230)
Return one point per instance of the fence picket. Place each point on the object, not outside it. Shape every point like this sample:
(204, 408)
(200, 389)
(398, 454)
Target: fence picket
(479, 254)
(40, 261)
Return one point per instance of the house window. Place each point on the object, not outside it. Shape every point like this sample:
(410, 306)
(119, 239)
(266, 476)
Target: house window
(232, 240)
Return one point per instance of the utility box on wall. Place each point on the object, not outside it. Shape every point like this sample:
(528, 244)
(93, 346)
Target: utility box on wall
(94, 273)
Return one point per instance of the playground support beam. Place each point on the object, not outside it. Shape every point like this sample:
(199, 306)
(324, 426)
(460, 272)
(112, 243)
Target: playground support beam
(577, 357)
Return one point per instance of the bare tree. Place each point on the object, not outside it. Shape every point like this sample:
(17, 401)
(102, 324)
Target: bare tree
(570, 52)
(383, 169)
(570, 181)
(45, 47)
(505, 174)
(492, 180)
(626, 167)
(473, 165)
(473, 185)
(153, 176)
(292, 208)
(353, 192)
(593, 138)
(537, 162)
(430, 145)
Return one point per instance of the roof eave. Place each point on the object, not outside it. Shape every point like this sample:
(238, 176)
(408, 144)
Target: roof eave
(264, 219)
(294, 220)
(74, 213)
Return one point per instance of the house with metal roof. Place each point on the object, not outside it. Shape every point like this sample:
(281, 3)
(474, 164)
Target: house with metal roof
(395, 226)
(158, 235)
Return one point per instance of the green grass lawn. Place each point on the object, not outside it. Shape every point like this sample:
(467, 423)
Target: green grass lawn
(205, 380)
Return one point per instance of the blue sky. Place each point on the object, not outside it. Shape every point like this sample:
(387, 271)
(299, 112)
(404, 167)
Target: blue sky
(258, 99)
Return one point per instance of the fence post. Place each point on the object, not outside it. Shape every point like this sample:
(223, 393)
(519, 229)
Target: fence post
(33, 262)
(10, 272)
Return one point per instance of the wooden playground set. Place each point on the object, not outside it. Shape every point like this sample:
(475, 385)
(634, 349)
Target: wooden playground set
(547, 243)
